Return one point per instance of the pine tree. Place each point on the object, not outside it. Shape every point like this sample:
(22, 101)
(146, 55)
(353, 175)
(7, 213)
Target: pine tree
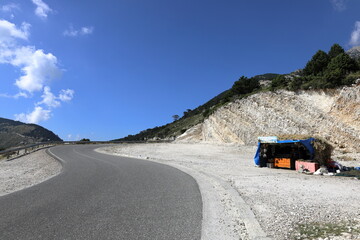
(317, 64)
(245, 85)
(335, 50)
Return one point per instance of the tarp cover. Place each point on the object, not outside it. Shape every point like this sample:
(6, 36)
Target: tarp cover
(307, 143)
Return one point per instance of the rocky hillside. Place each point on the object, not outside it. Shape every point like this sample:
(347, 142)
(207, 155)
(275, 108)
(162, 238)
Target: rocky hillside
(322, 99)
(14, 133)
(331, 114)
(354, 52)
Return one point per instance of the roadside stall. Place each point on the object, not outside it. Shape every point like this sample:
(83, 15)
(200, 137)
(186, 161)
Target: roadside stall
(307, 153)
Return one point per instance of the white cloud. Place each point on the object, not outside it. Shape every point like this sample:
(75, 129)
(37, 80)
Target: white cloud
(52, 101)
(87, 30)
(71, 32)
(42, 9)
(66, 95)
(37, 115)
(21, 94)
(9, 33)
(339, 5)
(16, 96)
(355, 35)
(49, 99)
(37, 67)
(8, 8)
(49, 102)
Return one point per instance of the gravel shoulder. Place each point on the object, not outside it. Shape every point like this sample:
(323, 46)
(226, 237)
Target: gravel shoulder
(26, 171)
(285, 204)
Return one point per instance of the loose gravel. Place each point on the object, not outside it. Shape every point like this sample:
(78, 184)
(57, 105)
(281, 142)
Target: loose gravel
(287, 204)
(27, 171)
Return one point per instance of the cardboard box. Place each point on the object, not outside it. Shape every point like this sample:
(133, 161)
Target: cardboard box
(310, 166)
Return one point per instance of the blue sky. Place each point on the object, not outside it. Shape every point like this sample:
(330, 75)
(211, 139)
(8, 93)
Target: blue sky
(106, 69)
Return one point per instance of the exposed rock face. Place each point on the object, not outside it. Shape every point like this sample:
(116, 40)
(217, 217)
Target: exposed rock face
(354, 52)
(333, 115)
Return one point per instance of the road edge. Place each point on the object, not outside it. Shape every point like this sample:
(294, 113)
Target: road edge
(59, 159)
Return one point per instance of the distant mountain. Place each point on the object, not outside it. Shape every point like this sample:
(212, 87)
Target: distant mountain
(15, 133)
(354, 52)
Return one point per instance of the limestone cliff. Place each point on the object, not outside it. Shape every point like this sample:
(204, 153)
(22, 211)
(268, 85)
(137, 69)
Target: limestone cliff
(331, 114)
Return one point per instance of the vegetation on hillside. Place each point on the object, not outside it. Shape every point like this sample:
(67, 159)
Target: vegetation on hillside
(15, 133)
(324, 70)
(191, 117)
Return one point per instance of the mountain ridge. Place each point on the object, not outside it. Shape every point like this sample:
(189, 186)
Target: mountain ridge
(15, 133)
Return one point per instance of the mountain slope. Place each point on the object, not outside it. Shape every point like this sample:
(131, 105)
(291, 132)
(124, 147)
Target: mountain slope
(191, 117)
(176, 128)
(323, 102)
(14, 133)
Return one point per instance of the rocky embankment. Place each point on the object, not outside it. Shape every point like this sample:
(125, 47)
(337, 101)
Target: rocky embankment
(331, 114)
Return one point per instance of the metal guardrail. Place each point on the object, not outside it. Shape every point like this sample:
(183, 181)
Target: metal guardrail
(22, 150)
(27, 147)
(16, 152)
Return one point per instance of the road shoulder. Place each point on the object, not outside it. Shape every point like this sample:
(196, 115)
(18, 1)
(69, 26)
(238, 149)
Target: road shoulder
(27, 171)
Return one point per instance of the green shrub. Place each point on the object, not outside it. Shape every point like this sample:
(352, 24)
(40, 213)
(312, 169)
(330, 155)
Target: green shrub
(279, 82)
(245, 85)
(350, 79)
(317, 64)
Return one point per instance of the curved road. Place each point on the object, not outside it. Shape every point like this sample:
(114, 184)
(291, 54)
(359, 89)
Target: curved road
(100, 196)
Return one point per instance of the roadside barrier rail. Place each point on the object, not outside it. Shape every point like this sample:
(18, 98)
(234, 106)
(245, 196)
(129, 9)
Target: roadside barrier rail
(16, 152)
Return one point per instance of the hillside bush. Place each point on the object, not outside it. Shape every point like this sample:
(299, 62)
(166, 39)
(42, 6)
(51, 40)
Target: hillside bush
(328, 70)
(317, 64)
(245, 85)
(279, 82)
(350, 79)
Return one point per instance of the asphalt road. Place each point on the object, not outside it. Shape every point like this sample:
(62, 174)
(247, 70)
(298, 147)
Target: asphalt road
(100, 196)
